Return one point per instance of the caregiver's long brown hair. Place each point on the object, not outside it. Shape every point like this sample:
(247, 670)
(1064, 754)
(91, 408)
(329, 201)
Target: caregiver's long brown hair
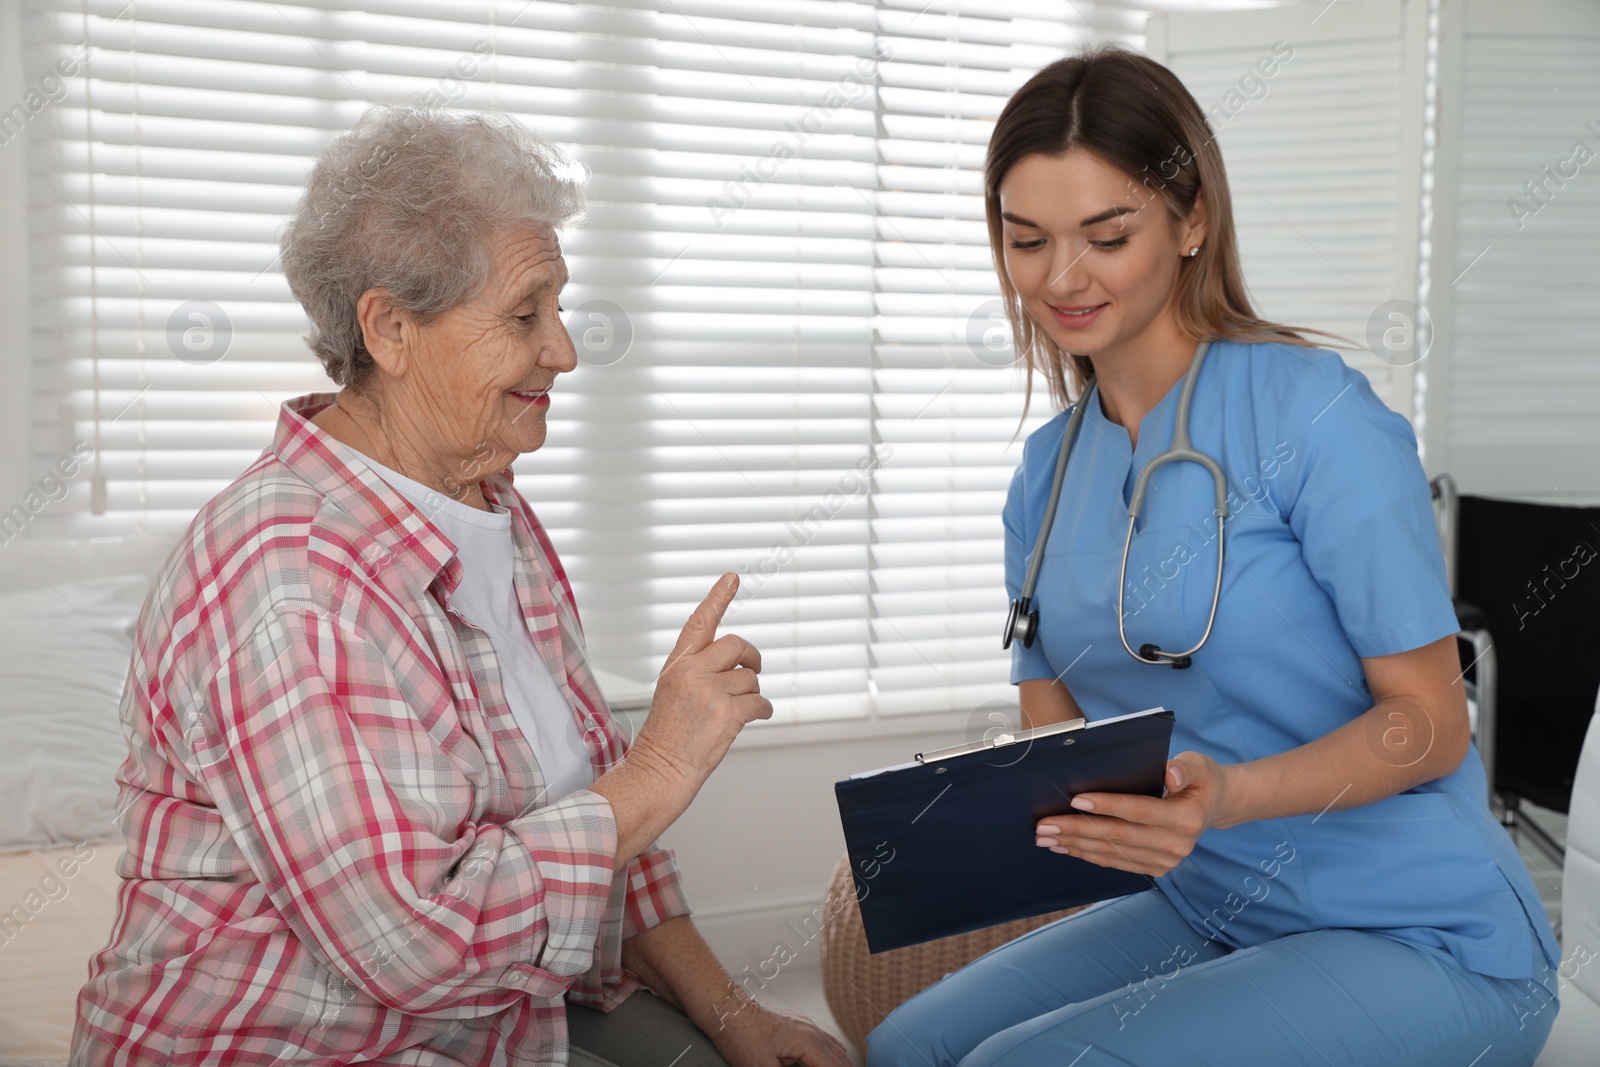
(1136, 115)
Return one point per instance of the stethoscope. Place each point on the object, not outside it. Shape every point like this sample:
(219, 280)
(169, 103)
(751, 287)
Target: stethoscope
(1023, 621)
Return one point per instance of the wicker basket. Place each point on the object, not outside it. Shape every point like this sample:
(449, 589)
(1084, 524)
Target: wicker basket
(862, 988)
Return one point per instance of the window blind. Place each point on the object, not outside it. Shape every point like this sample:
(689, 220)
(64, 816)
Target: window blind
(791, 359)
(1319, 123)
(1512, 412)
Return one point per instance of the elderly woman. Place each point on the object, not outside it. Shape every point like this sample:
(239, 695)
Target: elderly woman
(376, 809)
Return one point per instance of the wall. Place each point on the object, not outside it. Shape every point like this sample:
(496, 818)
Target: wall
(15, 360)
(759, 843)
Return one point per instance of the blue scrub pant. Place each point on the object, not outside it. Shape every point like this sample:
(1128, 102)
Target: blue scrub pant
(1109, 985)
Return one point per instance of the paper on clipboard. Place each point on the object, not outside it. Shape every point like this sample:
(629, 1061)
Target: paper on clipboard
(1003, 739)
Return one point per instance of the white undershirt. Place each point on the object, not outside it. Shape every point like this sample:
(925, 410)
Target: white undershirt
(487, 596)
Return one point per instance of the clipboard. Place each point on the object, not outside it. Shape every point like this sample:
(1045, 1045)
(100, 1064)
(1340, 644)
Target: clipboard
(944, 844)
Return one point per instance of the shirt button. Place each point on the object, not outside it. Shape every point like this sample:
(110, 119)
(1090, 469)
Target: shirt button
(517, 979)
(589, 724)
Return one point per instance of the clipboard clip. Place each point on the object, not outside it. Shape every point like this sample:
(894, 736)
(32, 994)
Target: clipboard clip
(1003, 740)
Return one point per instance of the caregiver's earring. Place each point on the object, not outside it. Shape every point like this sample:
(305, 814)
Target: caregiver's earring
(1195, 251)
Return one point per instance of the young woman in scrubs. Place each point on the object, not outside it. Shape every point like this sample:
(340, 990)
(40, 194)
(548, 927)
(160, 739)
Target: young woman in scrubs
(1326, 884)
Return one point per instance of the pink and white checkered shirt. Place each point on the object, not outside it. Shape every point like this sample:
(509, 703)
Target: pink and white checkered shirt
(337, 845)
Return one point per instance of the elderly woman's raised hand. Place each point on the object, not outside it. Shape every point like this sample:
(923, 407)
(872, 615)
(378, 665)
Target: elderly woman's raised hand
(707, 692)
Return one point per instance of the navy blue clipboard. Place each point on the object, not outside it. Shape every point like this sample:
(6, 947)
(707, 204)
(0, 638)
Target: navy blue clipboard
(945, 845)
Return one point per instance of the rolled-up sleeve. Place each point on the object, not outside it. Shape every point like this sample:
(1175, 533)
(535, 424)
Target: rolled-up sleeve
(300, 738)
(655, 892)
(647, 894)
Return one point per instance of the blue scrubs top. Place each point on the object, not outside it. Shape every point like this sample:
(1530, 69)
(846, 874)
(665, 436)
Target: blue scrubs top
(1332, 555)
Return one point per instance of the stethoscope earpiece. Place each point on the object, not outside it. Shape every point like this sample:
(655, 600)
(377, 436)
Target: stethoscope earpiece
(1148, 653)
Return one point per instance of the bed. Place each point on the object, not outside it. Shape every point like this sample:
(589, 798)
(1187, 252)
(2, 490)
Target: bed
(67, 610)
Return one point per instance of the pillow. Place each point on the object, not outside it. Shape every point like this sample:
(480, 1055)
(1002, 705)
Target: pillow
(24, 560)
(64, 655)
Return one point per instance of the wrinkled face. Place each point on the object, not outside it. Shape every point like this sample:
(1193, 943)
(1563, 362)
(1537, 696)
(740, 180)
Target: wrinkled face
(1093, 256)
(484, 369)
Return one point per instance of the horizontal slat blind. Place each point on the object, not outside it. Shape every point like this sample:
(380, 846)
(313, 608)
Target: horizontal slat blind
(943, 409)
(1316, 157)
(1524, 381)
(782, 290)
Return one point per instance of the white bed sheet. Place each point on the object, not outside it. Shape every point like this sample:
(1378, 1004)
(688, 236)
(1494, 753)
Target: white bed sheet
(44, 958)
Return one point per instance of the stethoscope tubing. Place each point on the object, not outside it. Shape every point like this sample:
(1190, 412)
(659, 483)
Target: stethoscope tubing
(1073, 421)
(1181, 450)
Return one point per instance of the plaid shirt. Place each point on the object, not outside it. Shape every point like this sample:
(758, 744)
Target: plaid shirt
(337, 846)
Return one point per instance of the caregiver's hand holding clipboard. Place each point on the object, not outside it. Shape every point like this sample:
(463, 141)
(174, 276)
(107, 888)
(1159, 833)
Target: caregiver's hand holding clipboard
(1327, 887)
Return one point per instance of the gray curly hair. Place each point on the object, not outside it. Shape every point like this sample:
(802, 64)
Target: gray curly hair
(407, 201)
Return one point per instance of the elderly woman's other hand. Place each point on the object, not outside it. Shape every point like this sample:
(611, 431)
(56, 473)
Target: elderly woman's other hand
(765, 1036)
(707, 692)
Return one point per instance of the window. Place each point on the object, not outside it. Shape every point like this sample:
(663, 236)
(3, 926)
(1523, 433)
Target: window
(1512, 408)
(792, 359)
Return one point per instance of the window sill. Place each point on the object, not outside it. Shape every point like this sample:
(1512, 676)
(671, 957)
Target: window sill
(765, 734)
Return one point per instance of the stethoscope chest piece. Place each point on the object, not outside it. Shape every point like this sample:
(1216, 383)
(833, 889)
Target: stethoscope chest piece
(1022, 624)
